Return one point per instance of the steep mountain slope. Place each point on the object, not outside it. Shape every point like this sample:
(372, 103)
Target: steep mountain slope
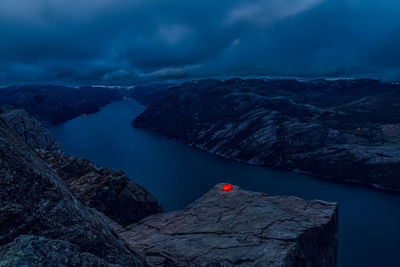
(29, 129)
(43, 224)
(345, 129)
(38, 212)
(110, 192)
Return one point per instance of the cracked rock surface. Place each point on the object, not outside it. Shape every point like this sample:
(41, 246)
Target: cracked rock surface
(30, 130)
(239, 228)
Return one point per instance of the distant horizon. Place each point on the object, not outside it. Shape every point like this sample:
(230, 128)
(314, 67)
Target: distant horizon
(184, 80)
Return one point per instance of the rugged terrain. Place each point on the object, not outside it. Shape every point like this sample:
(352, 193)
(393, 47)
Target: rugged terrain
(346, 130)
(110, 192)
(29, 129)
(42, 223)
(55, 104)
(58, 210)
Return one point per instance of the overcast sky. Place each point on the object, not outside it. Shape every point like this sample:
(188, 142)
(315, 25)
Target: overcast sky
(123, 41)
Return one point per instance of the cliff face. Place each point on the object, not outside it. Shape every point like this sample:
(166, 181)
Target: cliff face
(346, 129)
(110, 192)
(38, 212)
(239, 228)
(63, 211)
(30, 130)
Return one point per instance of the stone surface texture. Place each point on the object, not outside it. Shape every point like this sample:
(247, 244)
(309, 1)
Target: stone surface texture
(37, 206)
(239, 228)
(58, 210)
(108, 191)
(30, 130)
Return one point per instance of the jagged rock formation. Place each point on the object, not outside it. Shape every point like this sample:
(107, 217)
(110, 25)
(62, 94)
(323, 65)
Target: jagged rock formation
(110, 192)
(240, 228)
(30, 130)
(55, 104)
(38, 212)
(43, 224)
(345, 129)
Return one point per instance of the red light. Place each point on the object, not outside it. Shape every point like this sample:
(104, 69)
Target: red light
(227, 187)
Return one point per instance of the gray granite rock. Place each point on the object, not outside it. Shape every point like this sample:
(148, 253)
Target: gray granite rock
(30, 130)
(38, 251)
(108, 191)
(42, 223)
(239, 228)
(35, 201)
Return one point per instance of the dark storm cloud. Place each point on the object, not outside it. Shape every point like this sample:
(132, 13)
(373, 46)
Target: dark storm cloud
(127, 40)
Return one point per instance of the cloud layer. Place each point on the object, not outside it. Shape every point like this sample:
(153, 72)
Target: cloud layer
(123, 41)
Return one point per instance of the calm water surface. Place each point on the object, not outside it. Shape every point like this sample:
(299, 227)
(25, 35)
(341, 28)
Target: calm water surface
(369, 219)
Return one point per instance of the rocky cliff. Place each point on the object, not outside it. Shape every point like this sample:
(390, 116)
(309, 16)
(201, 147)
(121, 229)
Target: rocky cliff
(29, 129)
(42, 223)
(239, 228)
(344, 129)
(58, 210)
(110, 192)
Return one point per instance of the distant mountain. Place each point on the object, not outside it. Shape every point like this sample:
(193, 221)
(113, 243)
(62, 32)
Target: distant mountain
(146, 94)
(345, 130)
(55, 104)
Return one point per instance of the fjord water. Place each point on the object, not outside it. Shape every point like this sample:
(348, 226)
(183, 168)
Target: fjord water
(369, 219)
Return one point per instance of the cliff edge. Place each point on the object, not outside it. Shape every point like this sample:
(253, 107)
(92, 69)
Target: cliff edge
(240, 228)
(58, 210)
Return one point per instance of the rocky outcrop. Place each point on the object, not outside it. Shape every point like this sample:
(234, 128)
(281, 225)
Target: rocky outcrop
(64, 211)
(331, 129)
(29, 129)
(110, 192)
(42, 222)
(239, 228)
(55, 104)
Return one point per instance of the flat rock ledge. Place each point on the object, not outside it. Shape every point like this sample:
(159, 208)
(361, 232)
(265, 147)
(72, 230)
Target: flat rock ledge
(239, 228)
